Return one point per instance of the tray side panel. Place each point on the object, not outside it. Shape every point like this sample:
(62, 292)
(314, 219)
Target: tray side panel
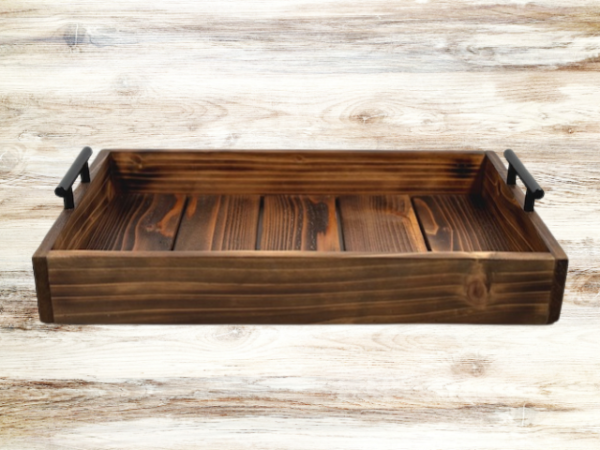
(295, 172)
(561, 268)
(500, 198)
(83, 219)
(380, 223)
(495, 173)
(299, 222)
(42, 288)
(219, 222)
(494, 288)
(99, 170)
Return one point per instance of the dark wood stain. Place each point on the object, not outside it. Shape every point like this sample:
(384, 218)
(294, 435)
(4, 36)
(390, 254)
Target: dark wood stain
(287, 289)
(502, 201)
(465, 223)
(138, 222)
(212, 222)
(299, 223)
(295, 173)
(383, 223)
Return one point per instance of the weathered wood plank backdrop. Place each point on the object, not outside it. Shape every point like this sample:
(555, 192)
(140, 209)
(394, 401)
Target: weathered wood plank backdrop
(318, 74)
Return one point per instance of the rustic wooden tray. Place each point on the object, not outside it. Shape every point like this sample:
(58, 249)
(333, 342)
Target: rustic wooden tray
(297, 237)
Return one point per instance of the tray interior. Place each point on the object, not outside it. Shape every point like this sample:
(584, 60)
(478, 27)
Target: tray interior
(127, 213)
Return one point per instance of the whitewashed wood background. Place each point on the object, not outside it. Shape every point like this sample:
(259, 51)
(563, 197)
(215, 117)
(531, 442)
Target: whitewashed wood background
(318, 74)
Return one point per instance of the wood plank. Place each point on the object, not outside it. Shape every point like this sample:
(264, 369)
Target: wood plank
(295, 222)
(381, 223)
(466, 223)
(295, 172)
(89, 208)
(138, 222)
(324, 38)
(219, 222)
(326, 288)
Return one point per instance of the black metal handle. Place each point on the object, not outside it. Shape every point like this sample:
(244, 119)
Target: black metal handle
(516, 167)
(79, 167)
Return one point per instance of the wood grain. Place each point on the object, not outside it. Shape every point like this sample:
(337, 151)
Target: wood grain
(380, 224)
(297, 172)
(295, 222)
(467, 223)
(219, 222)
(143, 288)
(503, 203)
(376, 75)
(90, 209)
(137, 222)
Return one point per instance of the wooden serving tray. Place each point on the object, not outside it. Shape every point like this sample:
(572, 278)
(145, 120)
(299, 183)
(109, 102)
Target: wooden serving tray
(299, 237)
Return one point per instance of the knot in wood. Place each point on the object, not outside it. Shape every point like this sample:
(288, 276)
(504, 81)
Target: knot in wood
(477, 289)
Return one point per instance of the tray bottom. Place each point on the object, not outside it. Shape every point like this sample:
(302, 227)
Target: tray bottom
(363, 223)
(466, 223)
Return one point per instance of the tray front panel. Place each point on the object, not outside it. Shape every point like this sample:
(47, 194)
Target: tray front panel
(121, 287)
